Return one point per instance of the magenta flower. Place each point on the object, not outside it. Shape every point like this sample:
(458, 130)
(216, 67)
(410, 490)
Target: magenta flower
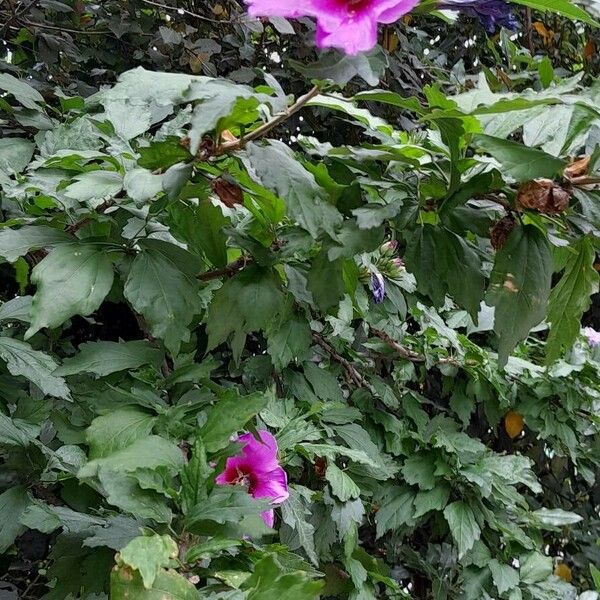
(593, 336)
(350, 25)
(257, 469)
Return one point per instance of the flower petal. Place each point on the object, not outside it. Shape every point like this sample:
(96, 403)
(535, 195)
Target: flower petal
(233, 466)
(280, 8)
(268, 517)
(357, 33)
(389, 11)
(261, 455)
(272, 485)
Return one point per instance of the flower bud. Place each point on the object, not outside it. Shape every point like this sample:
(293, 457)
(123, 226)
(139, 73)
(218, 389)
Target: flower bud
(377, 287)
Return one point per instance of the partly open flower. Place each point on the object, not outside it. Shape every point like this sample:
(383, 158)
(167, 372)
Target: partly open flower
(350, 25)
(593, 336)
(257, 469)
(377, 287)
(492, 14)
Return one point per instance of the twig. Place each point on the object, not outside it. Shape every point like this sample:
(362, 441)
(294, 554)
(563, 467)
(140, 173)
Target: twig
(83, 222)
(16, 14)
(584, 180)
(529, 30)
(401, 350)
(266, 127)
(228, 271)
(65, 29)
(353, 374)
(187, 12)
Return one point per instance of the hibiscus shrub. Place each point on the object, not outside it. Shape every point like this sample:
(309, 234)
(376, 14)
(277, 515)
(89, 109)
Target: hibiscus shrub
(242, 360)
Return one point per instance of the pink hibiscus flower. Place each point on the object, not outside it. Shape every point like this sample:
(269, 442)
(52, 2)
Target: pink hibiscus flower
(257, 469)
(350, 25)
(593, 336)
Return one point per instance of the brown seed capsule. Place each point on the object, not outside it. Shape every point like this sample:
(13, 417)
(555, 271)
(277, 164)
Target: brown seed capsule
(320, 466)
(543, 195)
(577, 168)
(500, 231)
(229, 192)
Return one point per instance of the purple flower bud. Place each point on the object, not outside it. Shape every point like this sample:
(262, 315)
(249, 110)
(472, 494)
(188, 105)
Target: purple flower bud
(377, 287)
(397, 262)
(389, 247)
(593, 336)
(492, 14)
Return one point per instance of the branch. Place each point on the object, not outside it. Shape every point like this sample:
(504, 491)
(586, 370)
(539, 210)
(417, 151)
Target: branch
(83, 222)
(353, 374)
(401, 350)
(266, 127)
(183, 11)
(64, 29)
(228, 271)
(584, 180)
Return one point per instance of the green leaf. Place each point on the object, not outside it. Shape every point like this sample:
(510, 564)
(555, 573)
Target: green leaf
(18, 242)
(219, 99)
(17, 309)
(396, 510)
(294, 512)
(194, 476)
(142, 185)
(15, 154)
(162, 287)
(435, 499)
(229, 415)
(95, 185)
(72, 280)
(209, 223)
(443, 262)
(595, 576)
(162, 155)
(270, 581)
(342, 485)
(247, 302)
(520, 162)
(149, 452)
(341, 68)
(13, 503)
(126, 584)
(125, 492)
(228, 504)
(37, 366)
(504, 576)
(277, 169)
(520, 287)
(289, 340)
(556, 517)
(28, 96)
(148, 554)
(570, 298)
(535, 567)
(325, 281)
(463, 526)
(116, 430)
(14, 433)
(562, 7)
(104, 358)
(419, 470)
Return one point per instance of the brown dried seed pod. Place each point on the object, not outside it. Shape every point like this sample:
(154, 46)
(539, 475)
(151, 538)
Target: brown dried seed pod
(500, 231)
(229, 192)
(543, 195)
(577, 168)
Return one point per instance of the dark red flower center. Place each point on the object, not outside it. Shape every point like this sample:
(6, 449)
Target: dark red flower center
(355, 5)
(246, 478)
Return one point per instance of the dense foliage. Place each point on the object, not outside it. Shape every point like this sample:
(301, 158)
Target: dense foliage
(212, 232)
